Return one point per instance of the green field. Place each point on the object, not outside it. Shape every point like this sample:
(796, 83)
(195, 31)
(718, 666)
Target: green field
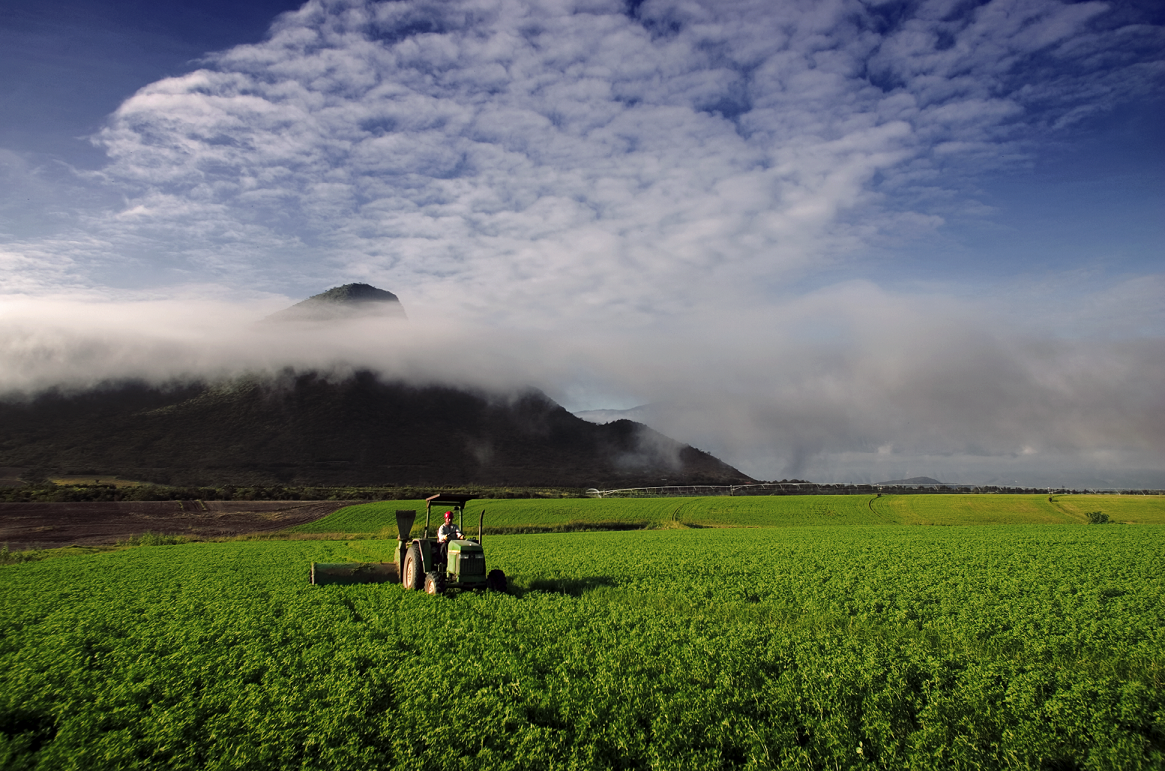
(809, 647)
(759, 511)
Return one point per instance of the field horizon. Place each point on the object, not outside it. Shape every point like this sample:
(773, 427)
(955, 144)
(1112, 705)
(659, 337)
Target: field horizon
(564, 515)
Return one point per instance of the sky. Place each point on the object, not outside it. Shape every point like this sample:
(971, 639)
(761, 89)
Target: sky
(842, 241)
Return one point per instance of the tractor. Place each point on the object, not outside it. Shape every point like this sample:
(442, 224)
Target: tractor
(418, 563)
(421, 565)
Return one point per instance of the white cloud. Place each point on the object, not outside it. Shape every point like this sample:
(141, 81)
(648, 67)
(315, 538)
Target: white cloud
(561, 158)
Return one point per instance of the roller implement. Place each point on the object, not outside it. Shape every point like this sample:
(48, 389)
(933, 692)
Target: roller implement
(419, 563)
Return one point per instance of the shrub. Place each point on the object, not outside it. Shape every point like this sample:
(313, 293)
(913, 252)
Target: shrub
(14, 557)
(154, 539)
(1097, 518)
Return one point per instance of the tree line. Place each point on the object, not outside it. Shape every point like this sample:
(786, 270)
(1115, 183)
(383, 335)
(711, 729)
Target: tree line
(50, 492)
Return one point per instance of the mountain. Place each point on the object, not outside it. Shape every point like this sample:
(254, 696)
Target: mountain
(914, 482)
(344, 302)
(304, 428)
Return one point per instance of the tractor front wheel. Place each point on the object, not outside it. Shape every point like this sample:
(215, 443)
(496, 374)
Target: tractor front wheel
(413, 571)
(496, 581)
(434, 582)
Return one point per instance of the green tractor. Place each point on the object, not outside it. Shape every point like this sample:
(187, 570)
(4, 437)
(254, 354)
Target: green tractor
(419, 562)
(422, 565)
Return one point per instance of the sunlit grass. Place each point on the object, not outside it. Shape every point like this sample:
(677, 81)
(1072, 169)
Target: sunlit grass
(757, 511)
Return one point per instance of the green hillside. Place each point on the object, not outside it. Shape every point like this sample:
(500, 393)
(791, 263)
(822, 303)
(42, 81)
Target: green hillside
(761, 511)
(306, 429)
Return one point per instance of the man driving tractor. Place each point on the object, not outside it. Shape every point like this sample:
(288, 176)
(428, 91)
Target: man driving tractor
(446, 533)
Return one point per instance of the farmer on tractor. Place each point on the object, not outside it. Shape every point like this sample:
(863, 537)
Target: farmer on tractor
(446, 533)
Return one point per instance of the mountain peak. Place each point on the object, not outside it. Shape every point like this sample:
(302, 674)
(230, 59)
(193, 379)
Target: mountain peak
(352, 293)
(344, 302)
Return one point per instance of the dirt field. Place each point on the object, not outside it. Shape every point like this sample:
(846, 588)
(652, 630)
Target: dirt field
(51, 525)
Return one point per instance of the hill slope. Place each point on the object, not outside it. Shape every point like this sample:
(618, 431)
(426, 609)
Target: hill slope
(304, 429)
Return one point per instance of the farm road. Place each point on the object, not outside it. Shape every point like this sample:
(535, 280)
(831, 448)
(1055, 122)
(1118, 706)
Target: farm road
(52, 525)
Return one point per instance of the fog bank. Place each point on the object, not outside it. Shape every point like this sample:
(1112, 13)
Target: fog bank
(847, 384)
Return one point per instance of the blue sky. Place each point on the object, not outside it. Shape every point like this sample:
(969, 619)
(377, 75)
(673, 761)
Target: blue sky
(837, 240)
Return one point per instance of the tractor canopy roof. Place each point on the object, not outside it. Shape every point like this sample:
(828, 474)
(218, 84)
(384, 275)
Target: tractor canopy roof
(450, 499)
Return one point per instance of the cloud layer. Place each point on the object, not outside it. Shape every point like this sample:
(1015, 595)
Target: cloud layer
(847, 384)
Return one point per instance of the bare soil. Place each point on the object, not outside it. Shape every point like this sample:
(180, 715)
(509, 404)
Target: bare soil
(52, 525)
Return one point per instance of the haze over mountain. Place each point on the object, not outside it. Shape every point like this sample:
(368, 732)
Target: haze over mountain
(885, 391)
(338, 425)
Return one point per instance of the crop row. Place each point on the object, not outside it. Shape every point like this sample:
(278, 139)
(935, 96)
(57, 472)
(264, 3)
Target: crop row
(760, 511)
(884, 647)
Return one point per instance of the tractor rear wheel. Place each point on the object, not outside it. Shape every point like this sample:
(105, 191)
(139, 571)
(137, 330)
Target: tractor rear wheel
(412, 574)
(434, 582)
(496, 581)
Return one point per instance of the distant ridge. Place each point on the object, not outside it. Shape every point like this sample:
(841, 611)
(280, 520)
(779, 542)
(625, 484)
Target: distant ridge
(915, 481)
(344, 302)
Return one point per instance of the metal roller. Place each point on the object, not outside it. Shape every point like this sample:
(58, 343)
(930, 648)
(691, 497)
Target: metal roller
(324, 573)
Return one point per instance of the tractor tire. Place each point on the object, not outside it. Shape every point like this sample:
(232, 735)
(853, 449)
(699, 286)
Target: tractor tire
(434, 582)
(496, 581)
(412, 574)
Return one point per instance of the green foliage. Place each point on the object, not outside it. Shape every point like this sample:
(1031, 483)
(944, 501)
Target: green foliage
(806, 647)
(154, 539)
(33, 555)
(1097, 518)
(12, 557)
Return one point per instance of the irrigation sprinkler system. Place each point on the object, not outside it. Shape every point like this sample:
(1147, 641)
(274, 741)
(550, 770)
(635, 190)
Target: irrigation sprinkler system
(693, 490)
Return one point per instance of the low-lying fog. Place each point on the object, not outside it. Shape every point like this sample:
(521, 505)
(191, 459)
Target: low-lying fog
(848, 384)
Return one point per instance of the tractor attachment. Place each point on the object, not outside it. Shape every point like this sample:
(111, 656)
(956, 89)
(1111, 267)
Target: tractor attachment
(354, 573)
(324, 573)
